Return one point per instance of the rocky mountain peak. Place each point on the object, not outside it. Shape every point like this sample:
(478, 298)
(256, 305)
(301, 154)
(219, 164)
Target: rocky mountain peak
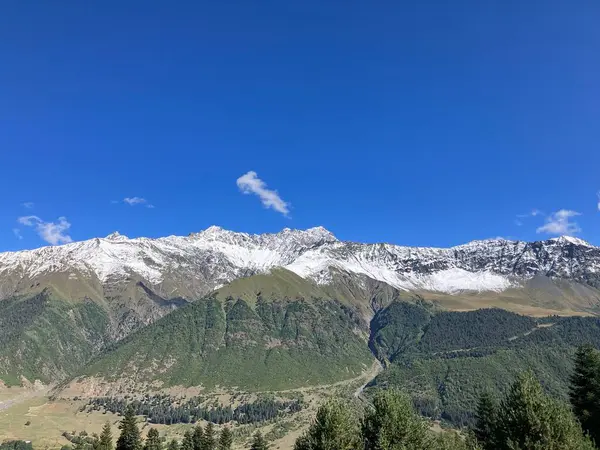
(116, 236)
(563, 240)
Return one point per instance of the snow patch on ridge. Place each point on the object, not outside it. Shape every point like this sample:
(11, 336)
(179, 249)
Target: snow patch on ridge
(454, 280)
(450, 281)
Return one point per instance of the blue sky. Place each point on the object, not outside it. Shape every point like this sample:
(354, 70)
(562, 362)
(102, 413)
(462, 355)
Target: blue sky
(418, 123)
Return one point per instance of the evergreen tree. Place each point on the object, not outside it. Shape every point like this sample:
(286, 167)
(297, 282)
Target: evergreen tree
(471, 442)
(188, 441)
(130, 438)
(95, 445)
(487, 410)
(209, 441)
(198, 437)
(333, 429)
(530, 420)
(80, 445)
(106, 439)
(259, 442)
(225, 439)
(153, 441)
(450, 440)
(392, 424)
(173, 445)
(585, 390)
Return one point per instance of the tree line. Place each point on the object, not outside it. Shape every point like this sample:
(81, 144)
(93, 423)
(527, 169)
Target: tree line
(130, 438)
(525, 419)
(162, 410)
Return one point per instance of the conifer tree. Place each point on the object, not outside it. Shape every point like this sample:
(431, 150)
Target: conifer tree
(106, 439)
(259, 442)
(80, 445)
(528, 419)
(225, 439)
(585, 390)
(173, 445)
(449, 440)
(471, 442)
(95, 445)
(486, 415)
(198, 437)
(188, 441)
(209, 441)
(153, 440)
(333, 429)
(393, 424)
(130, 438)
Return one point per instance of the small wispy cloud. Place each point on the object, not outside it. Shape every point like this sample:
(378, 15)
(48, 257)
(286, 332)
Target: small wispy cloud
(561, 223)
(53, 233)
(533, 213)
(17, 233)
(520, 220)
(28, 205)
(598, 201)
(249, 183)
(133, 201)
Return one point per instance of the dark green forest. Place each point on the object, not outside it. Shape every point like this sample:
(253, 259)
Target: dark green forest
(162, 409)
(444, 360)
(274, 345)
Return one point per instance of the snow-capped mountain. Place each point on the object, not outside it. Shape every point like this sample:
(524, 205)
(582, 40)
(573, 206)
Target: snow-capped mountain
(82, 296)
(193, 265)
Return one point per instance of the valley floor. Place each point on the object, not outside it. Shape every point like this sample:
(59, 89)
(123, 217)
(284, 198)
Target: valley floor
(29, 414)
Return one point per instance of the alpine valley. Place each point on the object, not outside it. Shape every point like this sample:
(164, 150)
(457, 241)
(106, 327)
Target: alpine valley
(221, 311)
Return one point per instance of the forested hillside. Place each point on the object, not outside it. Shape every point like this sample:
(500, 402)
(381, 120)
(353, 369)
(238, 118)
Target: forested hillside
(445, 360)
(43, 337)
(273, 345)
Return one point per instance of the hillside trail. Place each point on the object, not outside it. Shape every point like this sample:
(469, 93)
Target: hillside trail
(367, 375)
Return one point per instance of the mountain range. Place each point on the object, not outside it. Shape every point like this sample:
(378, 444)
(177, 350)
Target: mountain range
(62, 306)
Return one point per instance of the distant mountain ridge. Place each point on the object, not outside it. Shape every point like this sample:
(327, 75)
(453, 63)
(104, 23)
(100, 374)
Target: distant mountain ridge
(192, 266)
(79, 298)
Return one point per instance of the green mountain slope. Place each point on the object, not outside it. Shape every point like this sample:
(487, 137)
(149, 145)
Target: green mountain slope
(447, 359)
(268, 343)
(358, 292)
(46, 338)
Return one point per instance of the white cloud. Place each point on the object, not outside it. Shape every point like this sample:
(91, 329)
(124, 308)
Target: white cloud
(559, 223)
(135, 201)
(52, 232)
(598, 201)
(132, 201)
(249, 183)
(28, 205)
(17, 233)
(518, 223)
